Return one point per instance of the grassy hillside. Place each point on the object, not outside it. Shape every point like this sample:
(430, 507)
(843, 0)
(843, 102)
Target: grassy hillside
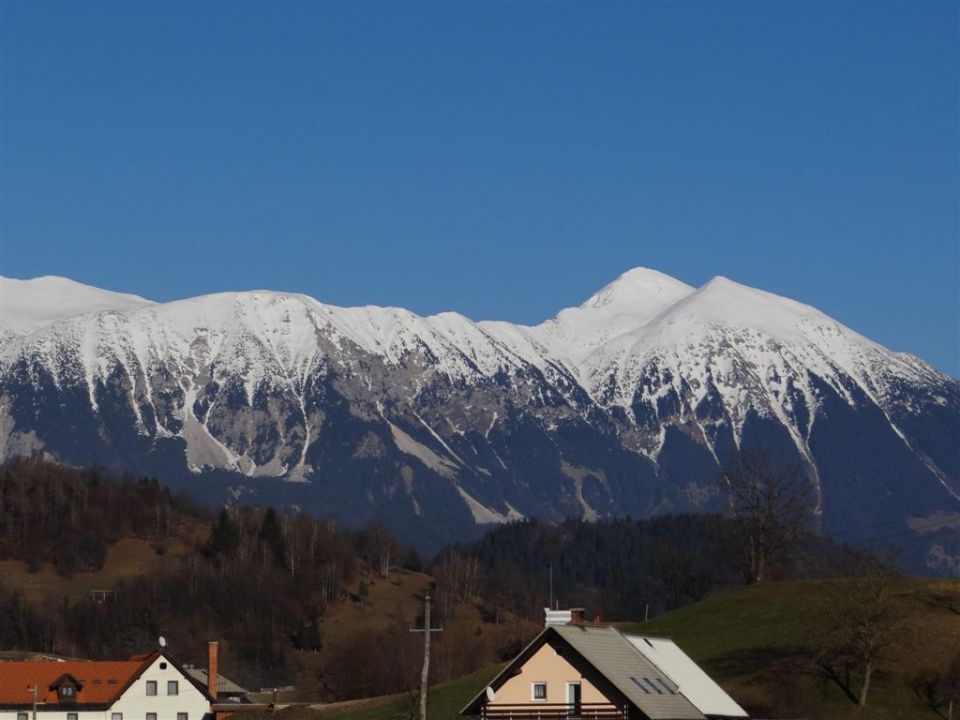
(755, 642)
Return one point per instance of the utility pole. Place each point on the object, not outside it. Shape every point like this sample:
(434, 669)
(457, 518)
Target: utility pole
(425, 673)
(33, 690)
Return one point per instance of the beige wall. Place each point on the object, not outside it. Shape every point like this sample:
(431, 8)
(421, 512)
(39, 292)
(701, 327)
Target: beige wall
(545, 665)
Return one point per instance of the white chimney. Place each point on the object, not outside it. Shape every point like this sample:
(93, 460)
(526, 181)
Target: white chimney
(556, 617)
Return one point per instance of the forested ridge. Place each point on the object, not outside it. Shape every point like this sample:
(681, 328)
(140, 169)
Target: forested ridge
(264, 581)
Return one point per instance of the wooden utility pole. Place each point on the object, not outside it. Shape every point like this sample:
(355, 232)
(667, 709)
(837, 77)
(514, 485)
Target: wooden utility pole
(425, 673)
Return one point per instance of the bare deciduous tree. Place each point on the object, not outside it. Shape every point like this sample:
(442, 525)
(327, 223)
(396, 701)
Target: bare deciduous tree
(772, 503)
(940, 690)
(861, 623)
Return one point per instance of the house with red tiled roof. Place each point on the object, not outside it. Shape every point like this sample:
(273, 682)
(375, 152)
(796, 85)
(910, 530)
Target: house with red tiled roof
(148, 686)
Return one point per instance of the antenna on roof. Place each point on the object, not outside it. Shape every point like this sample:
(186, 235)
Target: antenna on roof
(550, 600)
(163, 641)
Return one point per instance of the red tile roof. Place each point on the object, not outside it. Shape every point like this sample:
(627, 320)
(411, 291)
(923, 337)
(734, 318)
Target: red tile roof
(100, 682)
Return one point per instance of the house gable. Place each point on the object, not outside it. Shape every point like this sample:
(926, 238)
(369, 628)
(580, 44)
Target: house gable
(164, 689)
(554, 665)
(550, 656)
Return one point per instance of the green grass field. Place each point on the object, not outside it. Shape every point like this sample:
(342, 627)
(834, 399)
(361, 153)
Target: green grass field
(753, 640)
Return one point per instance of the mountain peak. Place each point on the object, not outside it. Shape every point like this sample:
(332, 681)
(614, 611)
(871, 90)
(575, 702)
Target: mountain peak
(638, 289)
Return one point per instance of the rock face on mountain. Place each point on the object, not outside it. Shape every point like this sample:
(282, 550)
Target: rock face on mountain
(627, 404)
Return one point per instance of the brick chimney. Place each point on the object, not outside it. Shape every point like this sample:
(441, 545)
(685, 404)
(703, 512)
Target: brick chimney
(212, 669)
(577, 616)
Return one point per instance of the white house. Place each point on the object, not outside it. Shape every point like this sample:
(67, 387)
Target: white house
(150, 686)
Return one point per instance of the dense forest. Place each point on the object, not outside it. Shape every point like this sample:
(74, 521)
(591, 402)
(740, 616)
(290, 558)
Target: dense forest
(620, 569)
(263, 580)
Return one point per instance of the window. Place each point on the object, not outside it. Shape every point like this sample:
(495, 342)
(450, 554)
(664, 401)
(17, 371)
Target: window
(66, 691)
(151, 690)
(116, 716)
(71, 716)
(163, 666)
(151, 716)
(173, 688)
(21, 716)
(181, 716)
(538, 691)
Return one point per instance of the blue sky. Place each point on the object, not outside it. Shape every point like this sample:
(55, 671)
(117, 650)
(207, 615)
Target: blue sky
(501, 160)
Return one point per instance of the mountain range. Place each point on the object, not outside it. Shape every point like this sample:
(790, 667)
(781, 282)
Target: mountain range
(625, 405)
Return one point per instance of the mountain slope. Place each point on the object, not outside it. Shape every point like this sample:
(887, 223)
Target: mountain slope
(626, 404)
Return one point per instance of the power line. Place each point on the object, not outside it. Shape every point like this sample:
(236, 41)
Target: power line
(903, 532)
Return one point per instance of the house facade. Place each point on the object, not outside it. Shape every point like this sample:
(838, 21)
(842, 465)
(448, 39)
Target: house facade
(151, 686)
(577, 670)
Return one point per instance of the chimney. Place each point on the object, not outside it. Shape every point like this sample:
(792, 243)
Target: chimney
(577, 616)
(212, 669)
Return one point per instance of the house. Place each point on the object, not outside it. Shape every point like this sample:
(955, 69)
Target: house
(573, 669)
(149, 686)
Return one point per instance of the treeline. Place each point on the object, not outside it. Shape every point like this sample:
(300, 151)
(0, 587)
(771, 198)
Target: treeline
(618, 569)
(260, 580)
(70, 518)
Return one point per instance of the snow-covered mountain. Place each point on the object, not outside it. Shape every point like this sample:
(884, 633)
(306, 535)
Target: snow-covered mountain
(625, 404)
(27, 305)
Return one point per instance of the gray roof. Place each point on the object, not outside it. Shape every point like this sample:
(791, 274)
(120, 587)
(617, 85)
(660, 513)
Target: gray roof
(224, 684)
(606, 649)
(641, 682)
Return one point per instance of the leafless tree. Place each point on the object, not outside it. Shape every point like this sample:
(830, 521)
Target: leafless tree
(457, 580)
(861, 624)
(382, 547)
(940, 690)
(772, 503)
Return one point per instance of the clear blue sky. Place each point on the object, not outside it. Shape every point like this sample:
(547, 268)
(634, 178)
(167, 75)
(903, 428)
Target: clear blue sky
(501, 160)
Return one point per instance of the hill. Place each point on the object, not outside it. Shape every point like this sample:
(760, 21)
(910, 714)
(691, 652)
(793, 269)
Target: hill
(96, 566)
(756, 641)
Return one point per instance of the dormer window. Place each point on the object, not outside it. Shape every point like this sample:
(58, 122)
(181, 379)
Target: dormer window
(66, 687)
